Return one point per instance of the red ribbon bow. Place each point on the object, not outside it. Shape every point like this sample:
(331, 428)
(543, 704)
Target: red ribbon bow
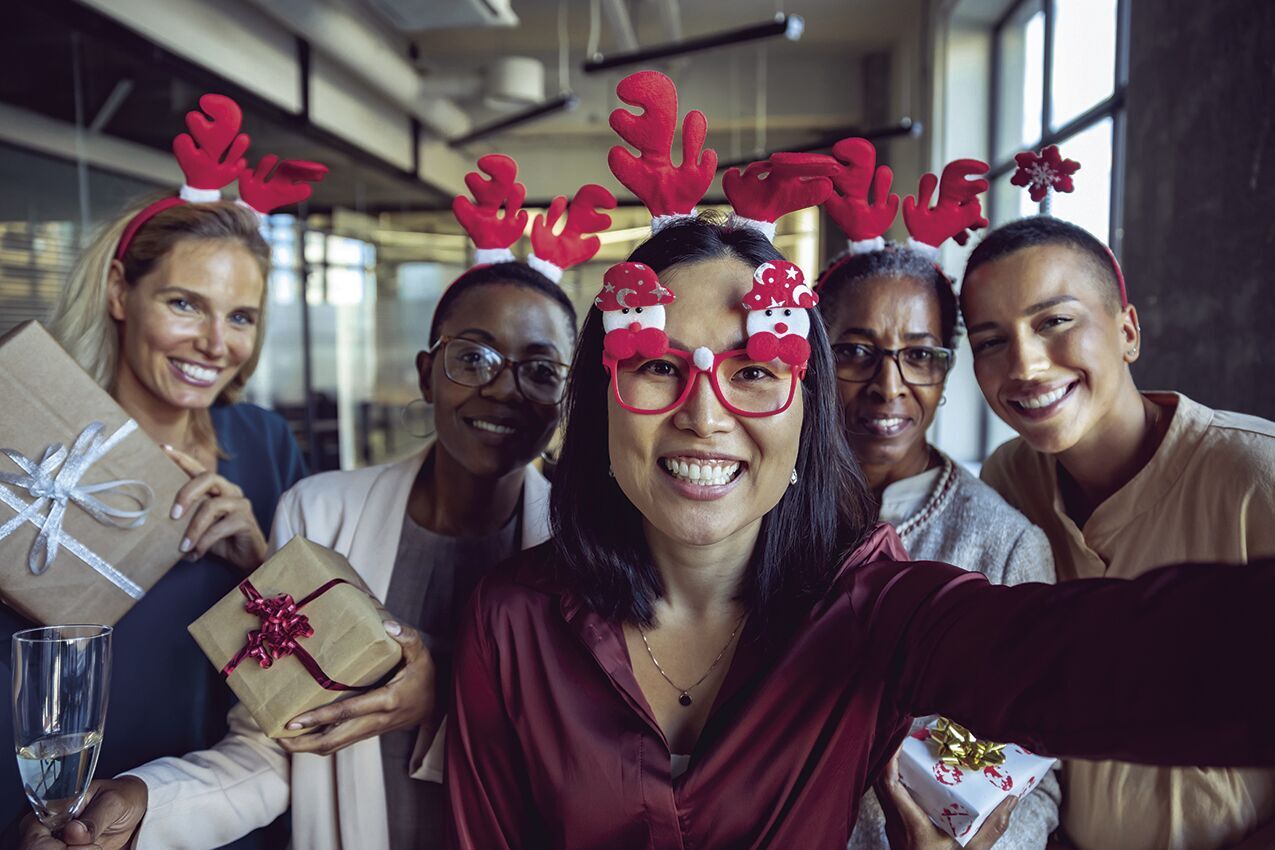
(282, 626)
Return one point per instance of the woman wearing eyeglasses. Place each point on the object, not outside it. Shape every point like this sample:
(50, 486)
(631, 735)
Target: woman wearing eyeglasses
(421, 532)
(892, 320)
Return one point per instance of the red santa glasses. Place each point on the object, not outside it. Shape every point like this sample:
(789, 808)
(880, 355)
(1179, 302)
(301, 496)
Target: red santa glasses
(649, 376)
(746, 386)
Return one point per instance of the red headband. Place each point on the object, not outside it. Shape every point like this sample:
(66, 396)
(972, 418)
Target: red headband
(211, 156)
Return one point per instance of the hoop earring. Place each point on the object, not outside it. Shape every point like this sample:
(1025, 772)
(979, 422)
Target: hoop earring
(407, 426)
(942, 400)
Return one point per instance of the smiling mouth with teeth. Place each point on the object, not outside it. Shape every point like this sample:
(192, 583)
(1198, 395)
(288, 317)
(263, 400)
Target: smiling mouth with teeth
(196, 373)
(491, 427)
(1044, 399)
(705, 473)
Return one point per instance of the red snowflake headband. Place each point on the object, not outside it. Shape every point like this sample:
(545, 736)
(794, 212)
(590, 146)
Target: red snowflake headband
(495, 220)
(211, 156)
(863, 207)
(1047, 171)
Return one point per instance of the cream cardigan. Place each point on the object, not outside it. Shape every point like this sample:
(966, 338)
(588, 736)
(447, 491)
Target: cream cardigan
(212, 797)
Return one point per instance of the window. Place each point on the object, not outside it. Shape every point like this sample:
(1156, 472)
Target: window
(1059, 79)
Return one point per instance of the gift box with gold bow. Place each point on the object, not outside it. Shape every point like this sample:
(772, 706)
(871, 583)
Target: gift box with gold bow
(300, 632)
(84, 492)
(959, 779)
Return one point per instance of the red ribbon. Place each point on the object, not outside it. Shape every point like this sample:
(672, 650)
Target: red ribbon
(282, 626)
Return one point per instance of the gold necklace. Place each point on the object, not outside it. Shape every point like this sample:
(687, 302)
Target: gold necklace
(684, 698)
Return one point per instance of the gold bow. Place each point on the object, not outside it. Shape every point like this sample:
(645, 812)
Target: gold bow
(959, 746)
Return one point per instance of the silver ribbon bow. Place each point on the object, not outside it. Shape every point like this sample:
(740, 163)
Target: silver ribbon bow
(54, 482)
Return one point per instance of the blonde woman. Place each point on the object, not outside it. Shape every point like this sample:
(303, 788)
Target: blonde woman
(169, 319)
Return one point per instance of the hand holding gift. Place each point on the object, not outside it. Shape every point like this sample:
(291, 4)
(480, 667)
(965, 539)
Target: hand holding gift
(297, 634)
(407, 701)
(908, 827)
(960, 781)
(222, 521)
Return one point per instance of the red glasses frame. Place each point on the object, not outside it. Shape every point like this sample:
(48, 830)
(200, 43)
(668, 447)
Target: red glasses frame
(688, 357)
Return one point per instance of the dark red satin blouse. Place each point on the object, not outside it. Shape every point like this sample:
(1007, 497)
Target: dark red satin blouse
(552, 744)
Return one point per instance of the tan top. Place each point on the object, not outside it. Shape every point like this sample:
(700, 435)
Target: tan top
(1208, 493)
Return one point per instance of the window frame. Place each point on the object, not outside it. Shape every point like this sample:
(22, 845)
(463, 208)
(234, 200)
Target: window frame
(1112, 107)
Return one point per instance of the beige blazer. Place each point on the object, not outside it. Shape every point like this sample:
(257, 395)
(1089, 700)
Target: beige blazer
(209, 798)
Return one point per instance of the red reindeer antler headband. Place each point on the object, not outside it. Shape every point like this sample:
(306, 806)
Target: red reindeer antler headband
(211, 156)
(495, 220)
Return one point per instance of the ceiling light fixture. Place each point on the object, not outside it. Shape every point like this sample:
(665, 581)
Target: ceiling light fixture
(789, 26)
(564, 102)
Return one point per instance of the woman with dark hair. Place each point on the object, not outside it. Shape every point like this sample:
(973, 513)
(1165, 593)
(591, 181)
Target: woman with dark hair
(893, 322)
(720, 648)
(420, 532)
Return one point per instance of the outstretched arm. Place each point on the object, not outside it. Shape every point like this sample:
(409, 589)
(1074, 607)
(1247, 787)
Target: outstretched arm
(1166, 669)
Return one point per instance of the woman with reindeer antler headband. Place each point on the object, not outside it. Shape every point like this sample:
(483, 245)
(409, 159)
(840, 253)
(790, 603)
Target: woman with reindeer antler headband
(165, 309)
(1121, 480)
(893, 322)
(421, 532)
(720, 647)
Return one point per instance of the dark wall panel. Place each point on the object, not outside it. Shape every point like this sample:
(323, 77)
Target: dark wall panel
(1199, 221)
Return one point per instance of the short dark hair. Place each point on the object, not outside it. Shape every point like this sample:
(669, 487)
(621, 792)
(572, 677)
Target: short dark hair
(1038, 230)
(893, 261)
(597, 532)
(509, 274)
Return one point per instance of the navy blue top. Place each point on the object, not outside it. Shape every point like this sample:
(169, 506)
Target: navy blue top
(166, 697)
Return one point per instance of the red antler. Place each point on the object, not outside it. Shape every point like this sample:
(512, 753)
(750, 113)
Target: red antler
(664, 188)
(289, 184)
(484, 221)
(211, 154)
(575, 244)
(770, 189)
(957, 210)
(859, 218)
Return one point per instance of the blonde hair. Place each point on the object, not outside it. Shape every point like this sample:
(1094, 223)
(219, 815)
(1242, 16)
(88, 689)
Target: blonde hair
(81, 321)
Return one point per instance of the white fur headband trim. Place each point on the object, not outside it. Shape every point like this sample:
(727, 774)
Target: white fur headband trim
(546, 268)
(930, 252)
(867, 246)
(765, 228)
(659, 222)
(191, 195)
(490, 256)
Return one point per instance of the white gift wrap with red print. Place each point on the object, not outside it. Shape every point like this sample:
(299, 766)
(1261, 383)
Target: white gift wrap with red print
(958, 799)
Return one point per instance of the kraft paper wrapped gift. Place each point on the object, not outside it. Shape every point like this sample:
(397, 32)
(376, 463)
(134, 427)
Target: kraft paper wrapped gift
(958, 780)
(84, 493)
(299, 633)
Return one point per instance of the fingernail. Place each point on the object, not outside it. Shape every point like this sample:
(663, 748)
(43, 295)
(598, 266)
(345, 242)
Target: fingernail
(294, 725)
(393, 628)
(176, 512)
(187, 545)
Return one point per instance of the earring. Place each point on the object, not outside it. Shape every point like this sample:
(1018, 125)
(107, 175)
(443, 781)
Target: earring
(610, 472)
(942, 400)
(407, 426)
(793, 478)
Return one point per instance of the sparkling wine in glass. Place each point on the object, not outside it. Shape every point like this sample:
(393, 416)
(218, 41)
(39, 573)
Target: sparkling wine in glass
(61, 681)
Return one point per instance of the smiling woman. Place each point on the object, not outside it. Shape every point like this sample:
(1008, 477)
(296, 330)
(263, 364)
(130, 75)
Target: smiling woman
(169, 321)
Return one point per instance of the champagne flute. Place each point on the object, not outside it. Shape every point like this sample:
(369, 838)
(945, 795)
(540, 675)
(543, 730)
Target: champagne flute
(61, 681)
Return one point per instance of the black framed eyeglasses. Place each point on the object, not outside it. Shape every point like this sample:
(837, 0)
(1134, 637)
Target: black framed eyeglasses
(919, 365)
(473, 364)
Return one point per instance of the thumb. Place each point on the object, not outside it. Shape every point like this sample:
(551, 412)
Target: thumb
(406, 637)
(104, 811)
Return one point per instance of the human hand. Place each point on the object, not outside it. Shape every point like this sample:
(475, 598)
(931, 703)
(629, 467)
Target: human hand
(113, 809)
(222, 522)
(908, 827)
(406, 701)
